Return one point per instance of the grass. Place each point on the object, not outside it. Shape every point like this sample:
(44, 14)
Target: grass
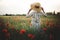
(17, 23)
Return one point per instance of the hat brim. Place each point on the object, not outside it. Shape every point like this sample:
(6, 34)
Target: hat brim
(34, 8)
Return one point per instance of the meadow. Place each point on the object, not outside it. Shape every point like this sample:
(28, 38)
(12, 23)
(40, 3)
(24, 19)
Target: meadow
(18, 28)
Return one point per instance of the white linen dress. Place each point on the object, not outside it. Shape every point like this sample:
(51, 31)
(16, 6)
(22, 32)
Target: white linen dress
(35, 18)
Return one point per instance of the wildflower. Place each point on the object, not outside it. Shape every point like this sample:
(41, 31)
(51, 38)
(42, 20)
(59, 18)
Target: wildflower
(47, 23)
(44, 29)
(5, 30)
(22, 31)
(30, 35)
(51, 24)
(17, 31)
(33, 36)
(7, 24)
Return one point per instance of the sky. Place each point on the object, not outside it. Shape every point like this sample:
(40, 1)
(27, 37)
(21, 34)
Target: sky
(22, 6)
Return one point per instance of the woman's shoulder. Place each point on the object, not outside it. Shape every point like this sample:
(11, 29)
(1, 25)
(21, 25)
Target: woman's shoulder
(32, 12)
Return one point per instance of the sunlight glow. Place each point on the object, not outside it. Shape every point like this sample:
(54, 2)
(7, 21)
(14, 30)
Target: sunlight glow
(22, 6)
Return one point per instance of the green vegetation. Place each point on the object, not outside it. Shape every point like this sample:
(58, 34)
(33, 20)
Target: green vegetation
(18, 28)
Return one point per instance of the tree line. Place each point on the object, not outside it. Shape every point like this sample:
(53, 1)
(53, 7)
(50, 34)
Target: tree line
(48, 13)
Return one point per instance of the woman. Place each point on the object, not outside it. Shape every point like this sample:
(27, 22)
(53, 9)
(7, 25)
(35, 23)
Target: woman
(35, 12)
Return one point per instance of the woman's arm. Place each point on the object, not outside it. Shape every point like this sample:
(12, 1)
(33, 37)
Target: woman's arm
(42, 9)
(44, 12)
(29, 14)
(29, 11)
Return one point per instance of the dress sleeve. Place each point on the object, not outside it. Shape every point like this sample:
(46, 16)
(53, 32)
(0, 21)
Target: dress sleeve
(30, 14)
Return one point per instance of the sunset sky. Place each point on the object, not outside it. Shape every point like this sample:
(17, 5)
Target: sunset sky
(22, 6)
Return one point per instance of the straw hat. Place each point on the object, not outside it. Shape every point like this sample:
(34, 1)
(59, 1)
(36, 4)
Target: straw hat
(36, 6)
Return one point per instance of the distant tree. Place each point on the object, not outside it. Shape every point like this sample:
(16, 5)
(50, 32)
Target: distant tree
(23, 14)
(58, 13)
(6, 14)
(49, 13)
(53, 12)
(18, 14)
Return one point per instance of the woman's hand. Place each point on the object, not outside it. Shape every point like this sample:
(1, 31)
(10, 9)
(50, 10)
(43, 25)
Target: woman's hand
(44, 12)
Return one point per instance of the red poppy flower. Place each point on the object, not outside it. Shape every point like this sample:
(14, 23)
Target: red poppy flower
(44, 29)
(47, 23)
(30, 35)
(22, 31)
(51, 24)
(7, 24)
(17, 31)
(5, 30)
(33, 36)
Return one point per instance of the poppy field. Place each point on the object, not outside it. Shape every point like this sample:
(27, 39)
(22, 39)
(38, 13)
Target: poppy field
(18, 28)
